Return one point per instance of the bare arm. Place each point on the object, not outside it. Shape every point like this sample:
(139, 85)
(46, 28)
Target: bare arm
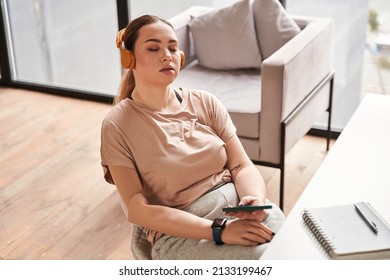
(246, 177)
(251, 190)
(160, 218)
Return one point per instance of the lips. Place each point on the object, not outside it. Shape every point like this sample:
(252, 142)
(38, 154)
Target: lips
(168, 68)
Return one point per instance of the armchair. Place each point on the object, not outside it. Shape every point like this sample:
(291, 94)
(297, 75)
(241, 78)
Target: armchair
(277, 104)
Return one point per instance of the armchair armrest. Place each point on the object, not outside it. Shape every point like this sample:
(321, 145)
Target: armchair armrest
(289, 75)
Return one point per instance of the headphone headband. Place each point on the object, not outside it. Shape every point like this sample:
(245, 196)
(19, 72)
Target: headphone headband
(119, 38)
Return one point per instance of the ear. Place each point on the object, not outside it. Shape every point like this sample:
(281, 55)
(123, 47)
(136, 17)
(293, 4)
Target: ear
(182, 59)
(127, 59)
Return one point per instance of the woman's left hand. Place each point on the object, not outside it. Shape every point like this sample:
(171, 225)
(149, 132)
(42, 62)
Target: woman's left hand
(257, 215)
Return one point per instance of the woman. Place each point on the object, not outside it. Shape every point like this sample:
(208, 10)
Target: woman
(176, 160)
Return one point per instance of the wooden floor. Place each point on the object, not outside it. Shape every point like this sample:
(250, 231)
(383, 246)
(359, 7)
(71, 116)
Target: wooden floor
(54, 202)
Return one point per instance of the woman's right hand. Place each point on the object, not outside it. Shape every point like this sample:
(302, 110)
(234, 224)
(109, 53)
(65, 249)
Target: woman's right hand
(246, 233)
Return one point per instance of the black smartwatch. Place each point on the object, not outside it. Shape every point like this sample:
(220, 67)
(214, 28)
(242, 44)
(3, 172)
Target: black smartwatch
(217, 226)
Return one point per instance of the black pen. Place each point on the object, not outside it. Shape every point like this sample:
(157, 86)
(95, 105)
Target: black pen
(371, 224)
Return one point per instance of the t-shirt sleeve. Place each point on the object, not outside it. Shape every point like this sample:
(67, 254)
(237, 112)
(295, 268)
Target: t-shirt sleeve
(220, 120)
(114, 149)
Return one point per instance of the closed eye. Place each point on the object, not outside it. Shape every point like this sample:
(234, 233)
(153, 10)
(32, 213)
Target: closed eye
(157, 49)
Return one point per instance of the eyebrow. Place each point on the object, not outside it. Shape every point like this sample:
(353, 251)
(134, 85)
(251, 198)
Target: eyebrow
(159, 41)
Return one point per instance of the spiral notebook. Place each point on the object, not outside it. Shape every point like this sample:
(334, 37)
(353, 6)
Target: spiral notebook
(345, 234)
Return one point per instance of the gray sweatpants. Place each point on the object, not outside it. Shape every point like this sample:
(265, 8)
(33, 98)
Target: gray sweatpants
(209, 206)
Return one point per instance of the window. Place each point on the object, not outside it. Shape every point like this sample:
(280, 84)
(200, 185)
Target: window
(63, 43)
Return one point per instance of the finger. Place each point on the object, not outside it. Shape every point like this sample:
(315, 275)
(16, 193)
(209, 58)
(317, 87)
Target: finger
(231, 214)
(255, 239)
(250, 239)
(257, 215)
(247, 200)
(261, 230)
(266, 229)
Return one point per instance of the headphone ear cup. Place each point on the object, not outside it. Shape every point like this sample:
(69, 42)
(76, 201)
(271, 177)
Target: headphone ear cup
(127, 59)
(182, 59)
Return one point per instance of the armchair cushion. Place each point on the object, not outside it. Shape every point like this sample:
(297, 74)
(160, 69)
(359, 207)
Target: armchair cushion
(239, 91)
(231, 27)
(274, 26)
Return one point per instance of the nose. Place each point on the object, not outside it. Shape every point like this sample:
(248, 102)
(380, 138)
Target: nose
(166, 56)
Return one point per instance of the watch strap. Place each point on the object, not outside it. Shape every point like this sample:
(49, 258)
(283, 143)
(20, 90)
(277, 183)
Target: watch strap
(217, 228)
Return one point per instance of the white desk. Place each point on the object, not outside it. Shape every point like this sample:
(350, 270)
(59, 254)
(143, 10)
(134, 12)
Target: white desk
(357, 168)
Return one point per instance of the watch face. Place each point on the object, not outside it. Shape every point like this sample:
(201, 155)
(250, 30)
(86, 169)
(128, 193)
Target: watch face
(218, 222)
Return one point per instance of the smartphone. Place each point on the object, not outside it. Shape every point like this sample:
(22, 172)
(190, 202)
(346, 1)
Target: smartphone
(246, 208)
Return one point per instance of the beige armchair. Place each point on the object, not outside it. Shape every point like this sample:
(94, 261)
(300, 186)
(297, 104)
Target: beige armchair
(276, 104)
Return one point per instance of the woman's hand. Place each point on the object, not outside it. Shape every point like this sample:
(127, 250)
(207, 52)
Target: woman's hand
(246, 233)
(257, 215)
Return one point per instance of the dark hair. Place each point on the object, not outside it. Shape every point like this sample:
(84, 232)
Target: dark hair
(129, 39)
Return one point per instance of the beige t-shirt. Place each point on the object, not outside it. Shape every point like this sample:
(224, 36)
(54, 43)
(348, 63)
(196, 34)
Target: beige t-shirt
(178, 156)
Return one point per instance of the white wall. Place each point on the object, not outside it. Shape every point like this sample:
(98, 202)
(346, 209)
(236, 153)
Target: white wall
(350, 18)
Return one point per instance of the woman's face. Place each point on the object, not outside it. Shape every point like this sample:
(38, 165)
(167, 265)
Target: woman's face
(157, 55)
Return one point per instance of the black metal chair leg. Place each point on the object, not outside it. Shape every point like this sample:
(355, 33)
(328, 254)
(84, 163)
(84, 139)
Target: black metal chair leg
(329, 114)
(281, 189)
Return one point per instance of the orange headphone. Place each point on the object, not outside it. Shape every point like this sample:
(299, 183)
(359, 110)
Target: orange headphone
(127, 56)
